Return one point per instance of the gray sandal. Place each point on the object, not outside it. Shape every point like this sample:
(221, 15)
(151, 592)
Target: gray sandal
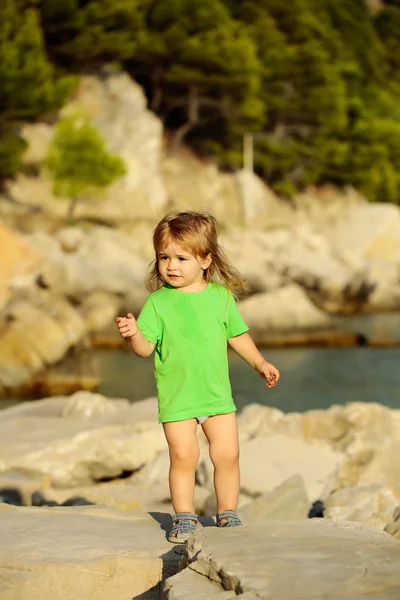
(184, 524)
(232, 520)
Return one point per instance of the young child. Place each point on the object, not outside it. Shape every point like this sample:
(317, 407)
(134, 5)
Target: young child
(188, 321)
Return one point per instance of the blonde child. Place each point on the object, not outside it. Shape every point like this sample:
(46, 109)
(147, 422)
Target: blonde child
(188, 321)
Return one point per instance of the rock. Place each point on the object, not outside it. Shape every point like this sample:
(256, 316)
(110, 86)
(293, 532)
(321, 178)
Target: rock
(81, 552)
(99, 308)
(260, 205)
(288, 501)
(19, 262)
(117, 106)
(312, 559)
(385, 276)
(193, 185)
(285, 457)
(47, 330)
(256, 419)
(38, 136)
(70, 238)
(10, 496)
(72, 451)
(25, 486)
(327, 208)
(317, 510)
(378, 464)
(371, 503)
(285, 309)
(78, 274)
(369, 231)
(251, 252)
(393, 528)
(189, 584)
(88, 406)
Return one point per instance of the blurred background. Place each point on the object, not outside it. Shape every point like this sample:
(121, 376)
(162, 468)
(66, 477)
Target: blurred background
(283, 119)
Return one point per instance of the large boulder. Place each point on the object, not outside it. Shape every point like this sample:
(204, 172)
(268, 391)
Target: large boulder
(100, 259)
(370, 503)
(37, 334)
(283, 310)
(369, 232)
(311, 559)
(394, 526)
(51, 438)
(81, 552)
(287, 502)
(194, 185)
(117, 106)
(19, 261)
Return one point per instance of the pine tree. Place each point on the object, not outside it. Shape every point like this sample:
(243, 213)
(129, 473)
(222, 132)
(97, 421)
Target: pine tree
(79, 161)
(28, 86)
(85, 34)
(198, 65)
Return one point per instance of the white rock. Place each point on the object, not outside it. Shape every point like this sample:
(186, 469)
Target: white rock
(281, 458)
(287, 308)
(80, 552)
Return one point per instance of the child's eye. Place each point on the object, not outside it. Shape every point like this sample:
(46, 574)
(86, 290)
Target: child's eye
(162, 257)
(181, 258)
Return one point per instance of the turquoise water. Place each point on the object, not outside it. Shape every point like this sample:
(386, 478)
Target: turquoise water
(310, 377)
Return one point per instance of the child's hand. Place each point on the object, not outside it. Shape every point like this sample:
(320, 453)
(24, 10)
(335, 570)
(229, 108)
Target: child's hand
(269, 373)
(127, 326)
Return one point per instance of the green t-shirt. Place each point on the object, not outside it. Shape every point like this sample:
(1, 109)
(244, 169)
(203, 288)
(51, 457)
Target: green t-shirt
(190, 331)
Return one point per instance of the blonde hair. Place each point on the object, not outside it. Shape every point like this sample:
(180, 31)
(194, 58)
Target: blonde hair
(196, 232)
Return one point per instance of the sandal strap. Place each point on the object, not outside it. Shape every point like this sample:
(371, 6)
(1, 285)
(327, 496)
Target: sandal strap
(185, 515)
(231, 517)
(183, 524)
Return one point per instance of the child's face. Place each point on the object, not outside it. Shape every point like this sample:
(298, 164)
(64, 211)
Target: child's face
(181, 269)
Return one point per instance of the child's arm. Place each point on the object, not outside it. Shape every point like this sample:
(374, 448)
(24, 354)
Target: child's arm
(246, 348)
(129, 329)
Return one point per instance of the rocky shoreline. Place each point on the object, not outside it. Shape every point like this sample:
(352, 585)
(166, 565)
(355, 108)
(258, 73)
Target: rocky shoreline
(325, 253)
(58, 454)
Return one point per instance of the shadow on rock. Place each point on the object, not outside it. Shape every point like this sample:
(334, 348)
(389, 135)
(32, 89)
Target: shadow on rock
(11, 496)
(38, 499)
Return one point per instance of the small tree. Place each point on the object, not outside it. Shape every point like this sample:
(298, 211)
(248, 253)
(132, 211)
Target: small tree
(80, 162)
(29, 85)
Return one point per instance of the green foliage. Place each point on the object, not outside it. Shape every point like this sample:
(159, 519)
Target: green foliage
(83, 33)
(28, 86)
(320, 79)
(27, 83)
(12, 146)
(197, 47)
(79, 160)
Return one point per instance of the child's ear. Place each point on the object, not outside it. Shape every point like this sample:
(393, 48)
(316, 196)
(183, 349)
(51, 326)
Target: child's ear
(206, 262)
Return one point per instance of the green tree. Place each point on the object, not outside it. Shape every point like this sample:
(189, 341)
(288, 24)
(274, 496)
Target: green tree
(198, 65)
(28, 86)
(84, 34)
(79, 161)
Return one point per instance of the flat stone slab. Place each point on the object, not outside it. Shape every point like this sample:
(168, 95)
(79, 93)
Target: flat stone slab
(305, 560)
(82, 552)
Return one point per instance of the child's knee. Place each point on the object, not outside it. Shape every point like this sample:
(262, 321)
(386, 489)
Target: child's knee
(184, 456)
(224, 456)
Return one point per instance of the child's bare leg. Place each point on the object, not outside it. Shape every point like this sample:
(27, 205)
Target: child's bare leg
(222, 434)
(184, 455)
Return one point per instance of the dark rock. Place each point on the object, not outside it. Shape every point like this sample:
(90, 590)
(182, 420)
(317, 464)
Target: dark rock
(76, 501)
(11, 496)
(317, 510)
(39, 500)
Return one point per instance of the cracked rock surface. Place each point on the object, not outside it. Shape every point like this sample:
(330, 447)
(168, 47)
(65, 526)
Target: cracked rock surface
(310, 560)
